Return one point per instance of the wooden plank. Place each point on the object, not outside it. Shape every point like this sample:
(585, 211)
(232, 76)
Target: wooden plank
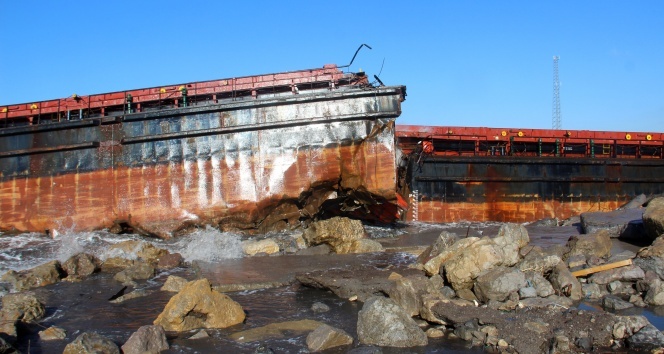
(591, 270)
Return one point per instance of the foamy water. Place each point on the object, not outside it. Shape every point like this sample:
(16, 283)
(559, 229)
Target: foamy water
(28, 250)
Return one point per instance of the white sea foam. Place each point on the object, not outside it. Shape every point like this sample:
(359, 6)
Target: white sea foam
(208, 245)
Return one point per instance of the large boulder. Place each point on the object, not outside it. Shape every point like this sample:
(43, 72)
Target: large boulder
(646, 339)
(511, 237)
(630, 273)
(617, 223)
(45, 274)
(147, 339)
(408, 291)
(326, 337)
(653, 218)
(499, 283)
(443, 242)
(432, 263)
(91, 343)
(81, 265)
(198, 306)
(596, 244)
(478, 257)
(382, 322)
(334, 232)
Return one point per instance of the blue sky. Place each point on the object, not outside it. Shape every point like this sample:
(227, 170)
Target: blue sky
(465, 63)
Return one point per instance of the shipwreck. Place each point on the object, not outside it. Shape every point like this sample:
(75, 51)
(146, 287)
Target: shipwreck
(263, 152)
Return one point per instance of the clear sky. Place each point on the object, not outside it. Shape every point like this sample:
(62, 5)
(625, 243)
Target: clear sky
(465, 63)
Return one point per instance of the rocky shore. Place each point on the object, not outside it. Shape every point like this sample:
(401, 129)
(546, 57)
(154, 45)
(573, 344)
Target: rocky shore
(498, 292)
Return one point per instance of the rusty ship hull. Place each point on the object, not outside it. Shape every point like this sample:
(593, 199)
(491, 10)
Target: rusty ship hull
(523, 175)
(262, 156)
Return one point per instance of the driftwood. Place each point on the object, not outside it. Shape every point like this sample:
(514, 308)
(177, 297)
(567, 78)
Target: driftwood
(591, 270)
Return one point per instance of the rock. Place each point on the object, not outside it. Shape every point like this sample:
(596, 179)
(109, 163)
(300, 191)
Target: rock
(275, 330)
(615, 223)
(263, 349)
(636, 202)
(655, 294)
(647, 338)
(319, 307)
(24, 307)
(132, 295)
(174, 283)
(542, 265)
(611, 302)
(252, 247)
(653, 218)
(81, 265)
(115, 264)
(334, 232)
(596, 244)
(52, 333)
(656, 249)
(135, 250)
(578, 260)
(527, 292)
(637, 301)
(382, 322)
(429, 301)
(565, 283)
(45, 274)
(478, 257)
(626, 326)
(444, 241)
(541, 285)
(653, 264)
(200, 335)
(432, 266)
(614, 286)
(326, 337)
(512, 233)
(498, 283)
(629, 273)
(407, 292)
(139, 271)
(91, 343)
(315, 250)
(150, 339)
(560, 345)
(170, 261)
(622, 256)
(364, 245)
(434, 333)
(198, 306)
(591, 291)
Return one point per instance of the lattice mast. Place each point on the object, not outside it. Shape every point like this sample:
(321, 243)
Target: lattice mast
(556, 120)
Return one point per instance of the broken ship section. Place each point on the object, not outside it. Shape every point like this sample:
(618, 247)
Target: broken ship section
(256, 159)
(520, 175)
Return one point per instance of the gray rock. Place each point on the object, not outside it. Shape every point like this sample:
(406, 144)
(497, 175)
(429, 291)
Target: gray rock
(326, 337)
(407, 292)
(498, 283)
(565, 283)
(626, 326)
(139, 271)
(444, 241)
(527, 292)
(636, 202)
(553, 300)
(578, 260)
(624, 255)
(560, 345)
(591, 291)
(615, 222)
(150, 339)
(91, 343)
(448, 292)
(319, 307)
(200, 334)
(653, 264)
(653, 218)
(382, 322)
(614, 286)
(655, 294)
(648, 338)
(611, 302)
(541, 285)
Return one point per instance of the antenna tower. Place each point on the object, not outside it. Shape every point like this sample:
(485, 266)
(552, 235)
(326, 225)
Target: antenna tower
(556, 121)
